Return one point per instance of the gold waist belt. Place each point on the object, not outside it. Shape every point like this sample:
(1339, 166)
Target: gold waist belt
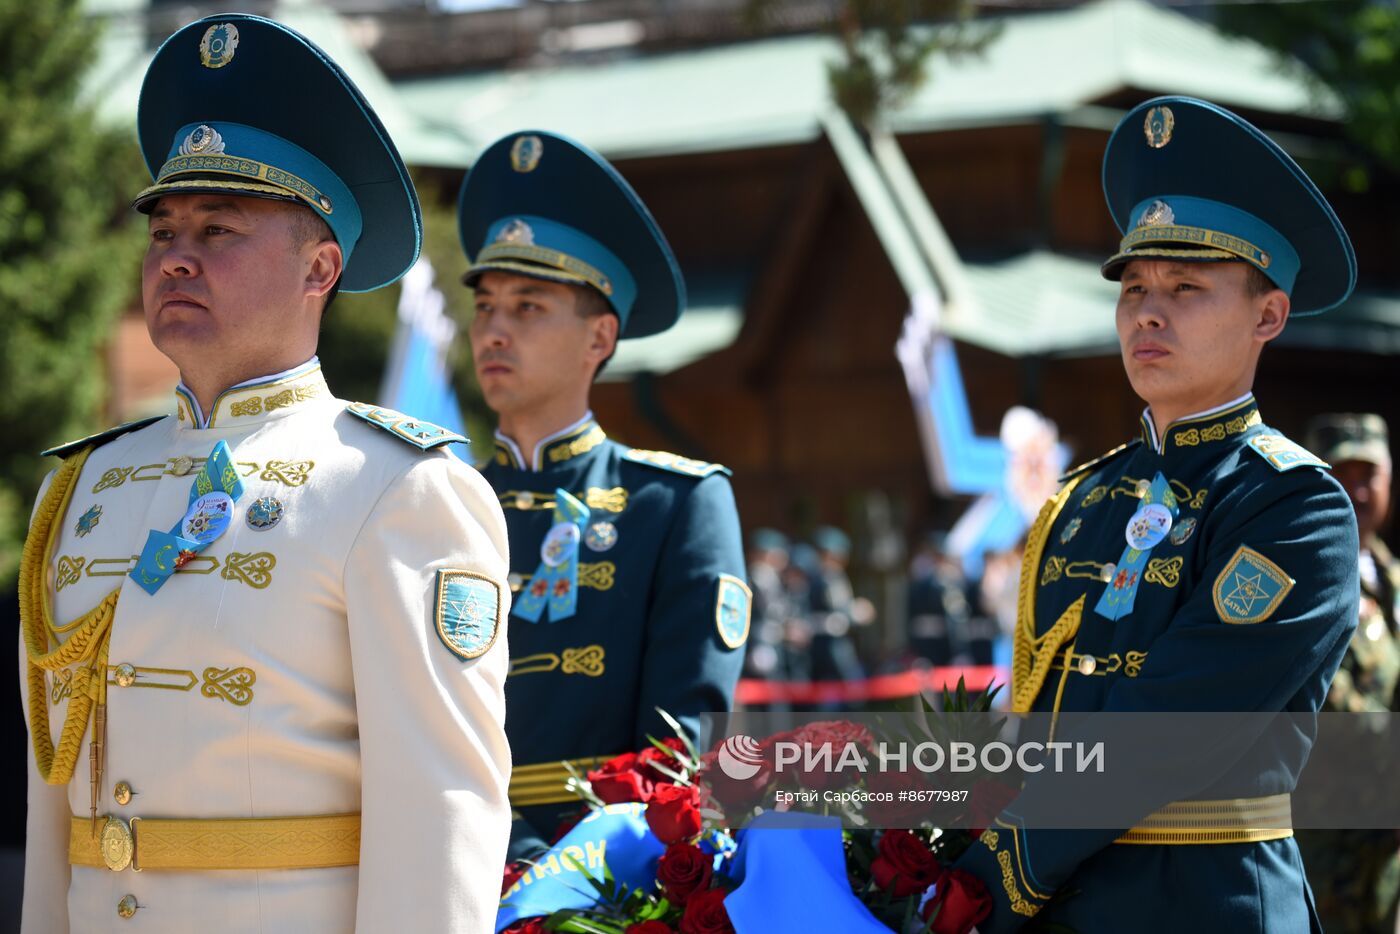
(545, 782)
(235, 843)
(1234, 820)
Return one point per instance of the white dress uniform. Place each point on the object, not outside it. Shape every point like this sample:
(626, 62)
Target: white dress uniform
(296, 667)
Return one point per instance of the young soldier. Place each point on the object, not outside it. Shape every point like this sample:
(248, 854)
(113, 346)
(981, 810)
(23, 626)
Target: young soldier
(263, 651)
(630, 563)
(1236, 587)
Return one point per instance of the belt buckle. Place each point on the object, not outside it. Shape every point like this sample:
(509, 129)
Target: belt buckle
(118, 844)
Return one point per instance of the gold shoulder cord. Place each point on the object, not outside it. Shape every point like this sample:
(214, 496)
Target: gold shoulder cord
(86, 645)
(1031, 654)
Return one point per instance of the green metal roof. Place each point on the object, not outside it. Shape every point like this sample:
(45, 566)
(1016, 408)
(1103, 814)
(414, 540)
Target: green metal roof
(774, 91)
(1043, 303)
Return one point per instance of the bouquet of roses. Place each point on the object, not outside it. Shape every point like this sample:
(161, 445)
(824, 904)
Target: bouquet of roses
(702, 882)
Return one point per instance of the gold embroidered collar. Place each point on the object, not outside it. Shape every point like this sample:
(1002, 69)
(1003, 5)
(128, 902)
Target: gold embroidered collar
(1204, 429)
(574, 441)
(254, 402)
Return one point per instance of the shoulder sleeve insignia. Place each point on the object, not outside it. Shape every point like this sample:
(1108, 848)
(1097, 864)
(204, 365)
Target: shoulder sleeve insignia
(1250, 588)
(101, 438)
(468, 612)
(675, 463)
(732, 610)
(1283, 454)
(1101, 459)
(422, 435)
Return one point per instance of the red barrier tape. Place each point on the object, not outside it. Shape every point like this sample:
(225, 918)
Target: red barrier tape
(754, 691)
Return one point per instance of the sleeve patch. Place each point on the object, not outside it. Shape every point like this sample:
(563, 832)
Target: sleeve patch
(422, 435)
(1283, 454)
(733, 606)
(675, 463)
(467, 612)
(1250, 588)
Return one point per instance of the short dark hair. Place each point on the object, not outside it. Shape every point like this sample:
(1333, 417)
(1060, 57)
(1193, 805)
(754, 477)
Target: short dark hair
(590, 303)
(307, 227)
(1256, 283)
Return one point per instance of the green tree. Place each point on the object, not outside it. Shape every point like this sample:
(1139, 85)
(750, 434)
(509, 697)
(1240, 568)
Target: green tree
(68, 255)
(887, 45)
(1348, 47)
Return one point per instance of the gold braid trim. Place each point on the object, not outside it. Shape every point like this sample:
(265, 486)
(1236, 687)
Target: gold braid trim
(86, 644)
(1031, 654)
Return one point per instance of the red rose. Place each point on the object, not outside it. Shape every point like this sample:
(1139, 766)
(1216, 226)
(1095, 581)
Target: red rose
(512, 875)
(988, 799)
(528, 926)
(684, 870)
(961, 901)
(825, 745)
(673, 813)
(705, 914)
(736, 798)
(650, 927)
(620, 780)
(651, 754)
(905, 864)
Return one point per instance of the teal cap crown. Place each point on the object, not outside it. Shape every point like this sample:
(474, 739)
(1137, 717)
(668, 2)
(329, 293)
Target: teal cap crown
(239, 104)
(1189, 181)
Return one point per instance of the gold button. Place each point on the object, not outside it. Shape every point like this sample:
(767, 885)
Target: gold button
(182, 465)
(1107, 571)
(1087, 664)
(127, 906)
(1143, 488)
(515, 581)
(524, 500)
(126, 675)
(121, 792)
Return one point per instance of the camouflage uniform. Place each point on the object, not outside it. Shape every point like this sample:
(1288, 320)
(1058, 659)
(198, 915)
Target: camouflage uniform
(1355, 874)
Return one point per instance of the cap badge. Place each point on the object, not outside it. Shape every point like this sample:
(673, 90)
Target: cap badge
(1158, 126)
(202, 139)
(1158, 214)
(525, 153)
(517, 231)
(218, 45)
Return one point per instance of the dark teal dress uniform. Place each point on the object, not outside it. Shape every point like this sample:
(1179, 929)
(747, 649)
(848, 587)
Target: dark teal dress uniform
(1217, 573)
(1204, 635)
(661, 619)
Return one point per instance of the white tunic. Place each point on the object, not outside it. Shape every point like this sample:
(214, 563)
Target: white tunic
(286, 672)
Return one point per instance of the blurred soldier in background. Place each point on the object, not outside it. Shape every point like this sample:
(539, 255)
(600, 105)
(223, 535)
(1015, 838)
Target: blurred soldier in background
(835, 609)
(938, 606)
(768, 558)
(1355, 874)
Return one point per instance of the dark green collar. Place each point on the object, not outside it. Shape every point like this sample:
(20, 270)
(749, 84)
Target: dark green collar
(572, 442)
(1191, 433)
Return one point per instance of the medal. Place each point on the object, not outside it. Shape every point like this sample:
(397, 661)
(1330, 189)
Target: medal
(1148, 526)
(207, 518)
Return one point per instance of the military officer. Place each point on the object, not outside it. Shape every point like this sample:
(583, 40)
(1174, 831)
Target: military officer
(1207, 565)
(263, 655)
(1355, 874)
(630, 562)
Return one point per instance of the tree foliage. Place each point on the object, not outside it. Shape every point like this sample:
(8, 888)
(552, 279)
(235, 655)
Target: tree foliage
(887, 46)
(1349, 47)
(68, 252)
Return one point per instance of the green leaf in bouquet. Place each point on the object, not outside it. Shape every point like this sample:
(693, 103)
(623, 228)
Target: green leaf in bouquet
(582, 921)
(675, 725)
(686, 762)
(578, 784)
(677, 777)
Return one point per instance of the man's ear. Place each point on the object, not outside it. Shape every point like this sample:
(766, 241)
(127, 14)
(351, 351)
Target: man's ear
(327, 263)
(1271, 314)
(602, 336)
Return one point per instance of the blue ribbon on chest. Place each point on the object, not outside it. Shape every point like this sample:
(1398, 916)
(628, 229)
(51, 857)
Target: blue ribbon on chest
(555, 582)
(1146, 529)
(208, 514)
